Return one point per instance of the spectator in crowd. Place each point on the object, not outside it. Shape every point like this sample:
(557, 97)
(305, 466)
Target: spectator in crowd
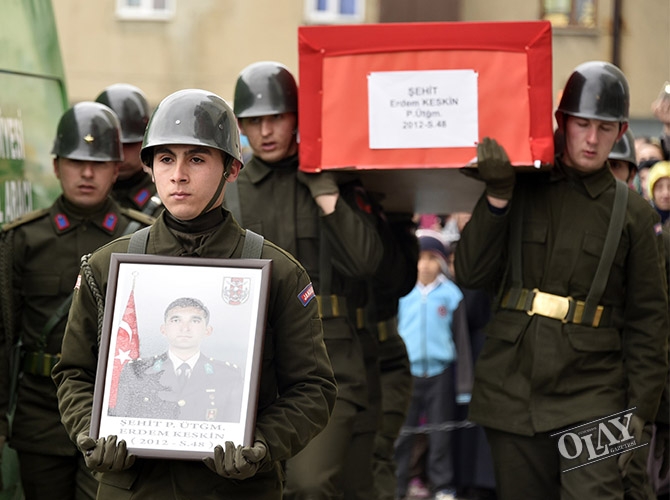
(431, 319)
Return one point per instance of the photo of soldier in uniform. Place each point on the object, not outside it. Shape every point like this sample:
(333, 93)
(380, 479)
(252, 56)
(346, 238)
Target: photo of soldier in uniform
(182, 382)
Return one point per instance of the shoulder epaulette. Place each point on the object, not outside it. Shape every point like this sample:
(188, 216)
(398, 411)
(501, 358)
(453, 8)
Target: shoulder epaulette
(138, 216)
(25, 218)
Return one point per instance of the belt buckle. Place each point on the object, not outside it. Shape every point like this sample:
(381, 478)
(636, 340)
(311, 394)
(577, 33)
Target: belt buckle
(550, 305)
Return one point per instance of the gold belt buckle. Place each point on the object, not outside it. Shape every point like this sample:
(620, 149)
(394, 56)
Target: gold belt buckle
(550, 305)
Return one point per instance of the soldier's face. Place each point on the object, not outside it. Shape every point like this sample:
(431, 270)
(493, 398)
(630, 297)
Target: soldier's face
(185, 329)
(272, 137)
(187, 178)
(588, 142)
(131, 160)
(86, 184)
(621, 170)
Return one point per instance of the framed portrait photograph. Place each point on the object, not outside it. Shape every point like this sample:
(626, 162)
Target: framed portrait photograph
(180, 353)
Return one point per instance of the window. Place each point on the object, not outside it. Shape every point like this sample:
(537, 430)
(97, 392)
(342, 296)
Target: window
(570, 13)
(145, 9)
(334, 11)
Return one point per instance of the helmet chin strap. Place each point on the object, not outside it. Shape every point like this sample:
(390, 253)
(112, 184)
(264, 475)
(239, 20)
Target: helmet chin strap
(224, 175)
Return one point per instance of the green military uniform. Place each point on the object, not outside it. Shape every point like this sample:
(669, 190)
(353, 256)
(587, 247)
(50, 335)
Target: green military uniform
(396, 380)
(537, 374)
(275, 204)
(137, 192)
(642, 481)
(44, 249)
(150, 388)
(297, 388)
(391, 379)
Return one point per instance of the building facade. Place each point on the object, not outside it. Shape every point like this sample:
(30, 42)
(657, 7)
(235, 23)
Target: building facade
(166, 45)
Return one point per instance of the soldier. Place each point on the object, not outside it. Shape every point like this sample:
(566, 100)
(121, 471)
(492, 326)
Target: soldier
(192, 146)
(394, 366)
(182, 383)
(335, 230)
(622, 158)
(40, 253)
(579, 330)
(134, 188)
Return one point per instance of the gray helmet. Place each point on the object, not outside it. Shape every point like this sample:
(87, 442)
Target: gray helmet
(132, 108)
(88, 131)
(265, 88)
(624, 149)
(597, 90)
(195, 117)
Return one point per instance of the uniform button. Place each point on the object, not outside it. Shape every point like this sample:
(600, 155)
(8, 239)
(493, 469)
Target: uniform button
(181, 402)
(146, 400)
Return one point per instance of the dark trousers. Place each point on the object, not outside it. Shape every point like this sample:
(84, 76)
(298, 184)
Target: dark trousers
(316, 472)
(155, 479)
(434, 398)
(357, 475)
(529, 467)
(56, 477)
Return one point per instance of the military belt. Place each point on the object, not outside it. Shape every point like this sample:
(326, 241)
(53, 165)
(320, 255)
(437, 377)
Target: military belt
(335, 306)
(39, 363)
(565, 309)
(384, 328)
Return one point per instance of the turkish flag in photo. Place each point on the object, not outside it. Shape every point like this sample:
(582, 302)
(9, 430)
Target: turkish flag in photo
(127, 345)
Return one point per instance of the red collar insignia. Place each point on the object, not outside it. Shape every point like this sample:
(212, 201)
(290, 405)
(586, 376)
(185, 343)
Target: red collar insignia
(62, 222)
(110, 220)
(141, 197)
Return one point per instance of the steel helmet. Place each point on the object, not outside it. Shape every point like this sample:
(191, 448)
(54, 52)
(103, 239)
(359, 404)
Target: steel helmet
(88, 131)
(597, 90)
(192, 116)
(265, 88)
(624, 149)
(132, 108)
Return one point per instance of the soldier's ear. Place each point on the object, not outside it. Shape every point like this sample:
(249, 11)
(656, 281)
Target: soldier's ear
(622, 130)
(233, 171)
(56, 168)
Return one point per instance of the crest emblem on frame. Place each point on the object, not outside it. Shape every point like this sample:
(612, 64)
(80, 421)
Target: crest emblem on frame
(236, 290)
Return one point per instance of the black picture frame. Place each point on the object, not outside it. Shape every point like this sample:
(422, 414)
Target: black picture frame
(138, 394)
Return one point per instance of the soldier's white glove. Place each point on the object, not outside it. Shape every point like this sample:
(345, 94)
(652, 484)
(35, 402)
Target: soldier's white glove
(635, 428)
(105, 455)
(237, 463)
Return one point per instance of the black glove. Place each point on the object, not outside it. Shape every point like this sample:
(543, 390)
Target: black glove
(662, 449)
(104, 455)
(635, 429)
(237, 463)
(495, 169)
(321, 183)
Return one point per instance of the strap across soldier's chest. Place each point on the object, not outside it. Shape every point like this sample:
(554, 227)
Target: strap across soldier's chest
(566, 309)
